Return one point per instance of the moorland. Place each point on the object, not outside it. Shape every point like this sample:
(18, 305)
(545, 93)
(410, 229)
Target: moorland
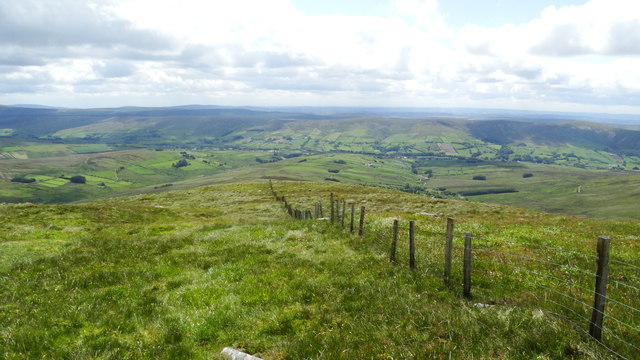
(162, 233)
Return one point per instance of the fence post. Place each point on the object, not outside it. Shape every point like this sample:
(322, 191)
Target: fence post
(466, 289)
(412, 245)
(320, 208)
(447, 250)
(353, 214)
(361, 228)
(337, 218)
(602, 275)
(344, 208)
(394, 242)
(332, 207)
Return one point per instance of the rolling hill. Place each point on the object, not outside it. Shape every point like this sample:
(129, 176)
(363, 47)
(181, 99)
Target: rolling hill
(181, 274)
(228, 126)
(575, 167)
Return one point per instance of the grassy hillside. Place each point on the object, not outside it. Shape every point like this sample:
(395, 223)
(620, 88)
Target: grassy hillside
(564, 189)
(574, 143)
(182, 274)
(578, 168)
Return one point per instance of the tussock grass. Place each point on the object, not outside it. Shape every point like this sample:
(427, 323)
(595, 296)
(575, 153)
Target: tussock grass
(182, 274)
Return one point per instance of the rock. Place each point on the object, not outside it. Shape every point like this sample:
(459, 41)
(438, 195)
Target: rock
(428, 214)
(483, 306)
(233, 354)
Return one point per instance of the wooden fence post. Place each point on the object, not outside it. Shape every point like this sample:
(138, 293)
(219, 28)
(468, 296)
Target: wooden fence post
(332, 207)
(466, 289)
(353, 214)
(394, 242)
(320, 206)
(447, 250)
(361, 228)
(602, 276)
(337, 218)
(344, 208)
(412, 245)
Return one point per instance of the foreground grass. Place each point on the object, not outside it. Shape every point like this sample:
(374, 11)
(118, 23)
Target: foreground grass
(183, 274)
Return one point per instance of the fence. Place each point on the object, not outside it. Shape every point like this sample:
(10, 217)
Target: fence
(492, 270)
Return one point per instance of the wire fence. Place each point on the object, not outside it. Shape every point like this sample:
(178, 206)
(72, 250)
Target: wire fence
(503, 271)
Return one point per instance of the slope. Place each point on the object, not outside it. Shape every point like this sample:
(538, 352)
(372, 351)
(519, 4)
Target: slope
(182, 274)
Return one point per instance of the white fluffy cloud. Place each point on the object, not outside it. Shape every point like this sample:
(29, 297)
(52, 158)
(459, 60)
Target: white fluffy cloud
(603, 27)
(155, 52)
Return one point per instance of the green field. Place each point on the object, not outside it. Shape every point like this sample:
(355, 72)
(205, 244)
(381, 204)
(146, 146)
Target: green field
(553, 188)
(179, 275)
(435, 157)
(90, 148)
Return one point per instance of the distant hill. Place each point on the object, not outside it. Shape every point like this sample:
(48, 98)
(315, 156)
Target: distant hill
(320, 129)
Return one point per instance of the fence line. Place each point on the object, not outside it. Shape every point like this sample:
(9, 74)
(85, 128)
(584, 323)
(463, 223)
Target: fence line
(443, 241)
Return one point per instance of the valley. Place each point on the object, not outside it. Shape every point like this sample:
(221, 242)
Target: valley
(163, 235)
(574, 167)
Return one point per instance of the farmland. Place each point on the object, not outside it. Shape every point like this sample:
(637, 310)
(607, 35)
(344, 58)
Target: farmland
(576, 168)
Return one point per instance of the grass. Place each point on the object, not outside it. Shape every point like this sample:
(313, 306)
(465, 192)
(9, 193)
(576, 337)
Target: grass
(118, 170)
(7, 132)
(604, 194)
(182, 274)
(90, 148)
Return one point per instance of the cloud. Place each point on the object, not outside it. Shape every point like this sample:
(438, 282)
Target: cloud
(268, 52)
(624, 38)
(65, 23)
(599, 27)
(563, 40)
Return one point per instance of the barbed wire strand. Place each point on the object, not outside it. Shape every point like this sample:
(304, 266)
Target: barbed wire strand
(578, 326)
(589, 335)
(594, 309)
(564, 266)
(382, 234)
(624, 263)
(620, 339)
(623, 284)
(568, 282)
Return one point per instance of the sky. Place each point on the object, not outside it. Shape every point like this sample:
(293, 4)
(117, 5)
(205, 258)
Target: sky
(512, 54)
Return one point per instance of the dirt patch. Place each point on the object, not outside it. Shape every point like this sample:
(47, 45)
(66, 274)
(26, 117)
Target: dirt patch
(447, 148)
(617, 157)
